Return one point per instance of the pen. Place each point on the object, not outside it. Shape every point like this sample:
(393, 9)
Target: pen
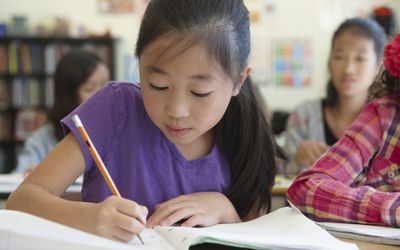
(97, 159)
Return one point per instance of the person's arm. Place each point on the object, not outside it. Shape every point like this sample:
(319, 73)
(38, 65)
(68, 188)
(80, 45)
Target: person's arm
(114, 218)
(330, 189)
(301, 149)
(33, 152)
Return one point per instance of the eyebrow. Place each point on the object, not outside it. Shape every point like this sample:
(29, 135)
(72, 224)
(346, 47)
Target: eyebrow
(200, 77)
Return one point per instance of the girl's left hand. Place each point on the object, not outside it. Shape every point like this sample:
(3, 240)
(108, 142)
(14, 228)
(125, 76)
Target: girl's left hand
(199, 209)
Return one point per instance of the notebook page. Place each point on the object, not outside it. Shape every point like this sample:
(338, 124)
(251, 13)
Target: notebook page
(24, 231)
(284, 228)
(371, 230)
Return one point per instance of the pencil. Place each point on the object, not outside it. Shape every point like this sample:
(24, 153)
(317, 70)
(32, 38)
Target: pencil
(97, 159)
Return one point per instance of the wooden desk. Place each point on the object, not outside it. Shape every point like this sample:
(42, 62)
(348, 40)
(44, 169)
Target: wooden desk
(278, 193)
(363, 245)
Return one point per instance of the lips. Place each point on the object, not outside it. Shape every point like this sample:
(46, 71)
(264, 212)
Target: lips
(177, 131)
(348, 80)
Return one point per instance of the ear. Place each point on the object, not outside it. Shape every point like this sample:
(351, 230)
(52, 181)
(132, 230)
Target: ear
(243, 75)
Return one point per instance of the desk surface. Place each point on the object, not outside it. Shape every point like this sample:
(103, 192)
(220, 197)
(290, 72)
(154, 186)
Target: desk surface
(281, 186)
(363, 245)
(9, 182)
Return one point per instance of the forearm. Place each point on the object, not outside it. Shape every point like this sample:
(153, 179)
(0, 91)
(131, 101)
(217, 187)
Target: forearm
(36, 200)
(331, 200)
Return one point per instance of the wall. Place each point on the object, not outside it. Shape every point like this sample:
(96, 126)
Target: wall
(312, 19)
(315, 20)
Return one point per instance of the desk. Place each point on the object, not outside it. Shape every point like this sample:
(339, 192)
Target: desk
(363, 245)
(278, 193)
(9, 182)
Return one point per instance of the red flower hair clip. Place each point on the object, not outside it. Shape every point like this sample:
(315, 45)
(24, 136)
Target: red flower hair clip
(391, 56)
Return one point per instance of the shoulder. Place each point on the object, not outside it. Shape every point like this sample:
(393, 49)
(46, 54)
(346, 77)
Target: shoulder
(387, 102)
(385, 107)
(311, 109)
(310, 106)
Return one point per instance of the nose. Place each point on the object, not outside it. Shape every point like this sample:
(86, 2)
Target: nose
(177, 106)
(349, 66)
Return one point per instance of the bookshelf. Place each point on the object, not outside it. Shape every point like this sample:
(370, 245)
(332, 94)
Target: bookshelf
(27, 65)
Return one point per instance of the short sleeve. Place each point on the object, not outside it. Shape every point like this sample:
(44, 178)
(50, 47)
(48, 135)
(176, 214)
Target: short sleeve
(101, 117)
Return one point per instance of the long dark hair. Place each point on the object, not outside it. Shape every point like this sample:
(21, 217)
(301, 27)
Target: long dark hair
(367, 28)
(73, 69)
(243, 133)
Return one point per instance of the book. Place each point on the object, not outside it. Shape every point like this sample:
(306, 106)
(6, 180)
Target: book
(371, 233)
(284, 228)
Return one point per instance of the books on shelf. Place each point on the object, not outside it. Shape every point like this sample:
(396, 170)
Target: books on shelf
(285, 228)
(5, 127)
(4, 94)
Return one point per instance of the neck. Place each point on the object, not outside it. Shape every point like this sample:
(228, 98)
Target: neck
(197, 149)
(349, 107)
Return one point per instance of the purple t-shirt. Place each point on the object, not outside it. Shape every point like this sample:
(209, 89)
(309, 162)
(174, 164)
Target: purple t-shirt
(145, 166)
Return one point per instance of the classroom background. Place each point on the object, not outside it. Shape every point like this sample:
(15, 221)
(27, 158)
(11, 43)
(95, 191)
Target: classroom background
(290, 47)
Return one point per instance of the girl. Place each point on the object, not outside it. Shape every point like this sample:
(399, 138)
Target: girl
(358, 179)
(190, 143)
(354, 61)
(78, 75)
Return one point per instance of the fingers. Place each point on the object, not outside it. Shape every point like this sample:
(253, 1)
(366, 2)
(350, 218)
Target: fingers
(134, 210)
(119, 218)
(174, 210)
(128, 223)
(309, 151)
(122, 235)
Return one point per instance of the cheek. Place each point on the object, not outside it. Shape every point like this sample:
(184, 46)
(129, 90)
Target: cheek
(152, 104)
(370, 70)
(212, 111)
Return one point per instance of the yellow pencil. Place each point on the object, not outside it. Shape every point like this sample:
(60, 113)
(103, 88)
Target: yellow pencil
(97, 158)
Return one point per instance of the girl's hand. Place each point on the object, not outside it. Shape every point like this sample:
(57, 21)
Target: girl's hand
(117, 218)
(199, 209)
(309, 151)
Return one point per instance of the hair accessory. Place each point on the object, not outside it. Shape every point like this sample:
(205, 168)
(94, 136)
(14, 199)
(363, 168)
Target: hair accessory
(391, 56)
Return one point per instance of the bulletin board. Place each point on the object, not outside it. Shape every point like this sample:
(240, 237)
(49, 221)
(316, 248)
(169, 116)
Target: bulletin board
(291, 62)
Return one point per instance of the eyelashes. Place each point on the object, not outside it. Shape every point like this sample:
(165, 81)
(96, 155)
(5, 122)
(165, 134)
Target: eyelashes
(201, 95)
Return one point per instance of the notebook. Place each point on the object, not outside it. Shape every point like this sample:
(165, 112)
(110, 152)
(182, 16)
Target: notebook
(372, 233)
(285, 228)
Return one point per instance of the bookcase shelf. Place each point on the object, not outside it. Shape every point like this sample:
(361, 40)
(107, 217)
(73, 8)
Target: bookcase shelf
(27, 65)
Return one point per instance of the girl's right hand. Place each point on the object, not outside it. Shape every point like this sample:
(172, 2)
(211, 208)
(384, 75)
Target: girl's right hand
(117, 218)
(309, 151)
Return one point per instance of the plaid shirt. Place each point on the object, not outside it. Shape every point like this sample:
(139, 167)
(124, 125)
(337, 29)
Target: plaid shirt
(358, 179)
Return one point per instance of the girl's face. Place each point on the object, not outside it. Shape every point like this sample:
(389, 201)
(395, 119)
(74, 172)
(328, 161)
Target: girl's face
(353, 64)
(96, 80)
(184, 93)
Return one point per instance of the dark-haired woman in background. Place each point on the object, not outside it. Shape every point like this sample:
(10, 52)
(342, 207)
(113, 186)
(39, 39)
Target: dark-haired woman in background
(78, 75)
(354, 61)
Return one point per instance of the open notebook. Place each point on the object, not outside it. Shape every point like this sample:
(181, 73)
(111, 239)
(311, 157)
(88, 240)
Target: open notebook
(285, 228)
(379, 234)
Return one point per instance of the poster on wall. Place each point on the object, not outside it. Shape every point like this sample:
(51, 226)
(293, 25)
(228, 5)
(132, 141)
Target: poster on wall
(292, 62)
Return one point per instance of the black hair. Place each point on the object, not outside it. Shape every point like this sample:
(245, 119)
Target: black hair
(243, 133)
(367, 28)
(73, 69)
